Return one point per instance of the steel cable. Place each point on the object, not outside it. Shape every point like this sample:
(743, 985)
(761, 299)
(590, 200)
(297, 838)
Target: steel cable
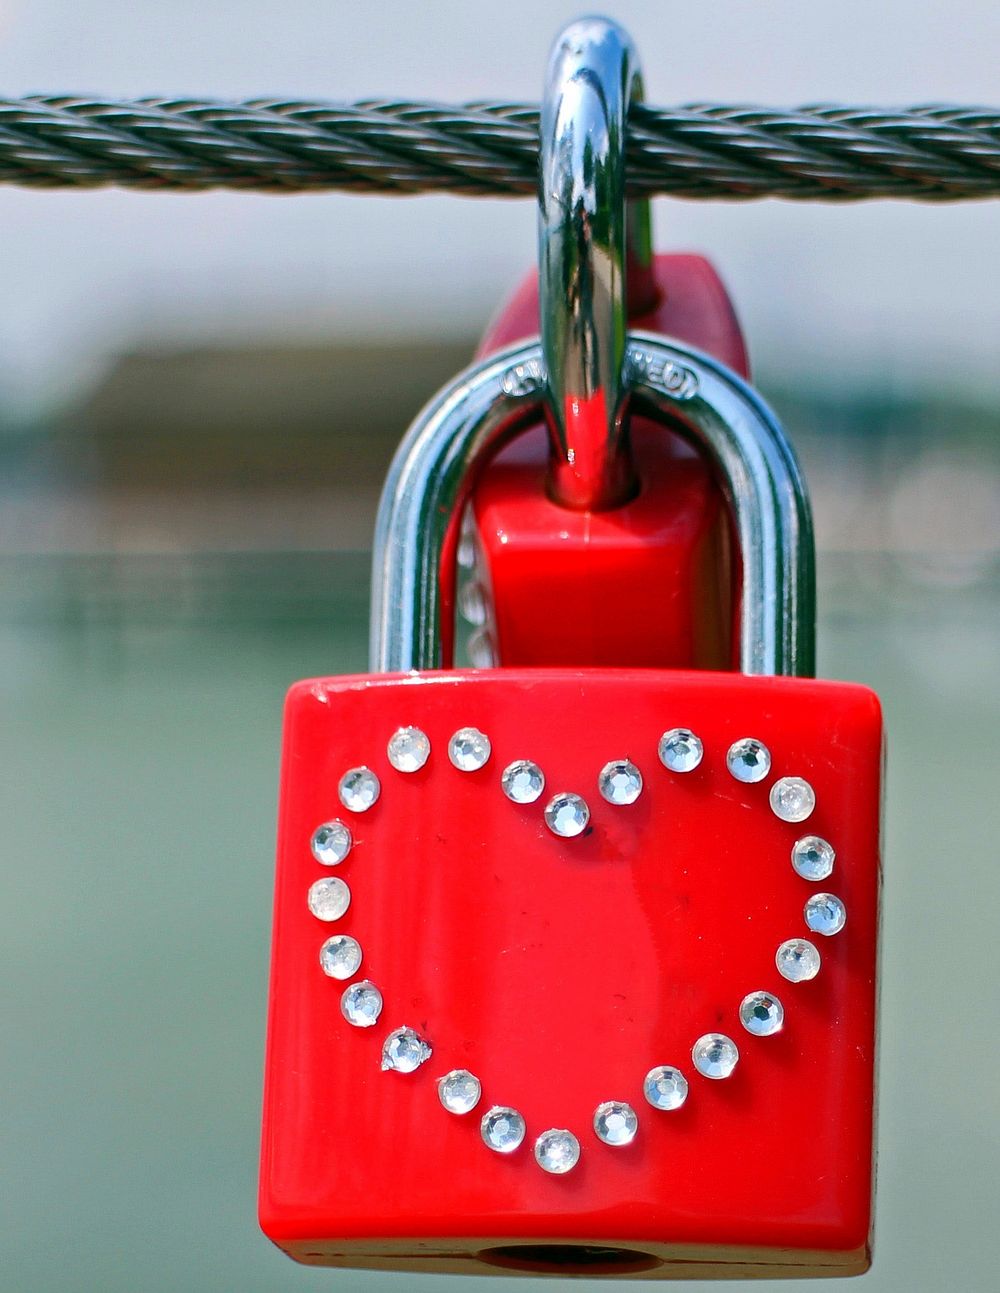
(821, 152)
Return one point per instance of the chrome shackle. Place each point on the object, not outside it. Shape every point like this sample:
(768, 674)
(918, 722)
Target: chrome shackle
(724, 418)
(592, 247)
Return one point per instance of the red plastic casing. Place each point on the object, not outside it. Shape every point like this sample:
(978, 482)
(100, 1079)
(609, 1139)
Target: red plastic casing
(559, 971)
(647, 584)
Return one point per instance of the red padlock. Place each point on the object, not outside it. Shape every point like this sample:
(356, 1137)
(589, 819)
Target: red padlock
(600, 993)
(574, 969)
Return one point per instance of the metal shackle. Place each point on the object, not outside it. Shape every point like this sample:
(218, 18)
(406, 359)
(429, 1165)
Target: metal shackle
(592, 247)
(436, 464)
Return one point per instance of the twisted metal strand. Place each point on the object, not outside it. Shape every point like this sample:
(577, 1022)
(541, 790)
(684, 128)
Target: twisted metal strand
(829, 152)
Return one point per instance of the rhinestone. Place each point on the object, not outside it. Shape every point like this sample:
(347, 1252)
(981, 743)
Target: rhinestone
(469, 749)
(792, 799)
(748, 760)
(761, 1014)
(472, 603)
(813, 858)
(620, 782)
(329, 898)
(567, 815)
(665, 1087)
(331, 843)
(797, 960)
(557, 1151)
(502, 1129)
(680, 750)
(359, 788)
(340, 956)
(825, 914)
(715, 1055)
(615, 1122)
(523, 781)
(404, 1050)
(361, 1004)
(459, 1091)
(482, 654)
(408, 749)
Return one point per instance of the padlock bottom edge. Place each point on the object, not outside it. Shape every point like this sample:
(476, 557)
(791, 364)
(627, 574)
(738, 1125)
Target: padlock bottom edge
(590, 1259)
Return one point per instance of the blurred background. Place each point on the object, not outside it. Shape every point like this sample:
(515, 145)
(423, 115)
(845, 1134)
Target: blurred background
(194, 419)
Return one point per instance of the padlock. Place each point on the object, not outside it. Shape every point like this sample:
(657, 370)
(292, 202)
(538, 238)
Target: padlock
(632, 912)
(574, 969)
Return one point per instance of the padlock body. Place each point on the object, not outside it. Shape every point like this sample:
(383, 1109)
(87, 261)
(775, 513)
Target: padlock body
(560, 970)
(564, 586)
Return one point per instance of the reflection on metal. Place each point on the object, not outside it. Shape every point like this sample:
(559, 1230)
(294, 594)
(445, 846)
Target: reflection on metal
(435, 467)
(585, 232)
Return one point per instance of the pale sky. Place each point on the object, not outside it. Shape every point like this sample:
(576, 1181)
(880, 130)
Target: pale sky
(894, 293)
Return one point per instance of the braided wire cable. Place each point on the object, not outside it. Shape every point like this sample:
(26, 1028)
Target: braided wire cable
(820, 152)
